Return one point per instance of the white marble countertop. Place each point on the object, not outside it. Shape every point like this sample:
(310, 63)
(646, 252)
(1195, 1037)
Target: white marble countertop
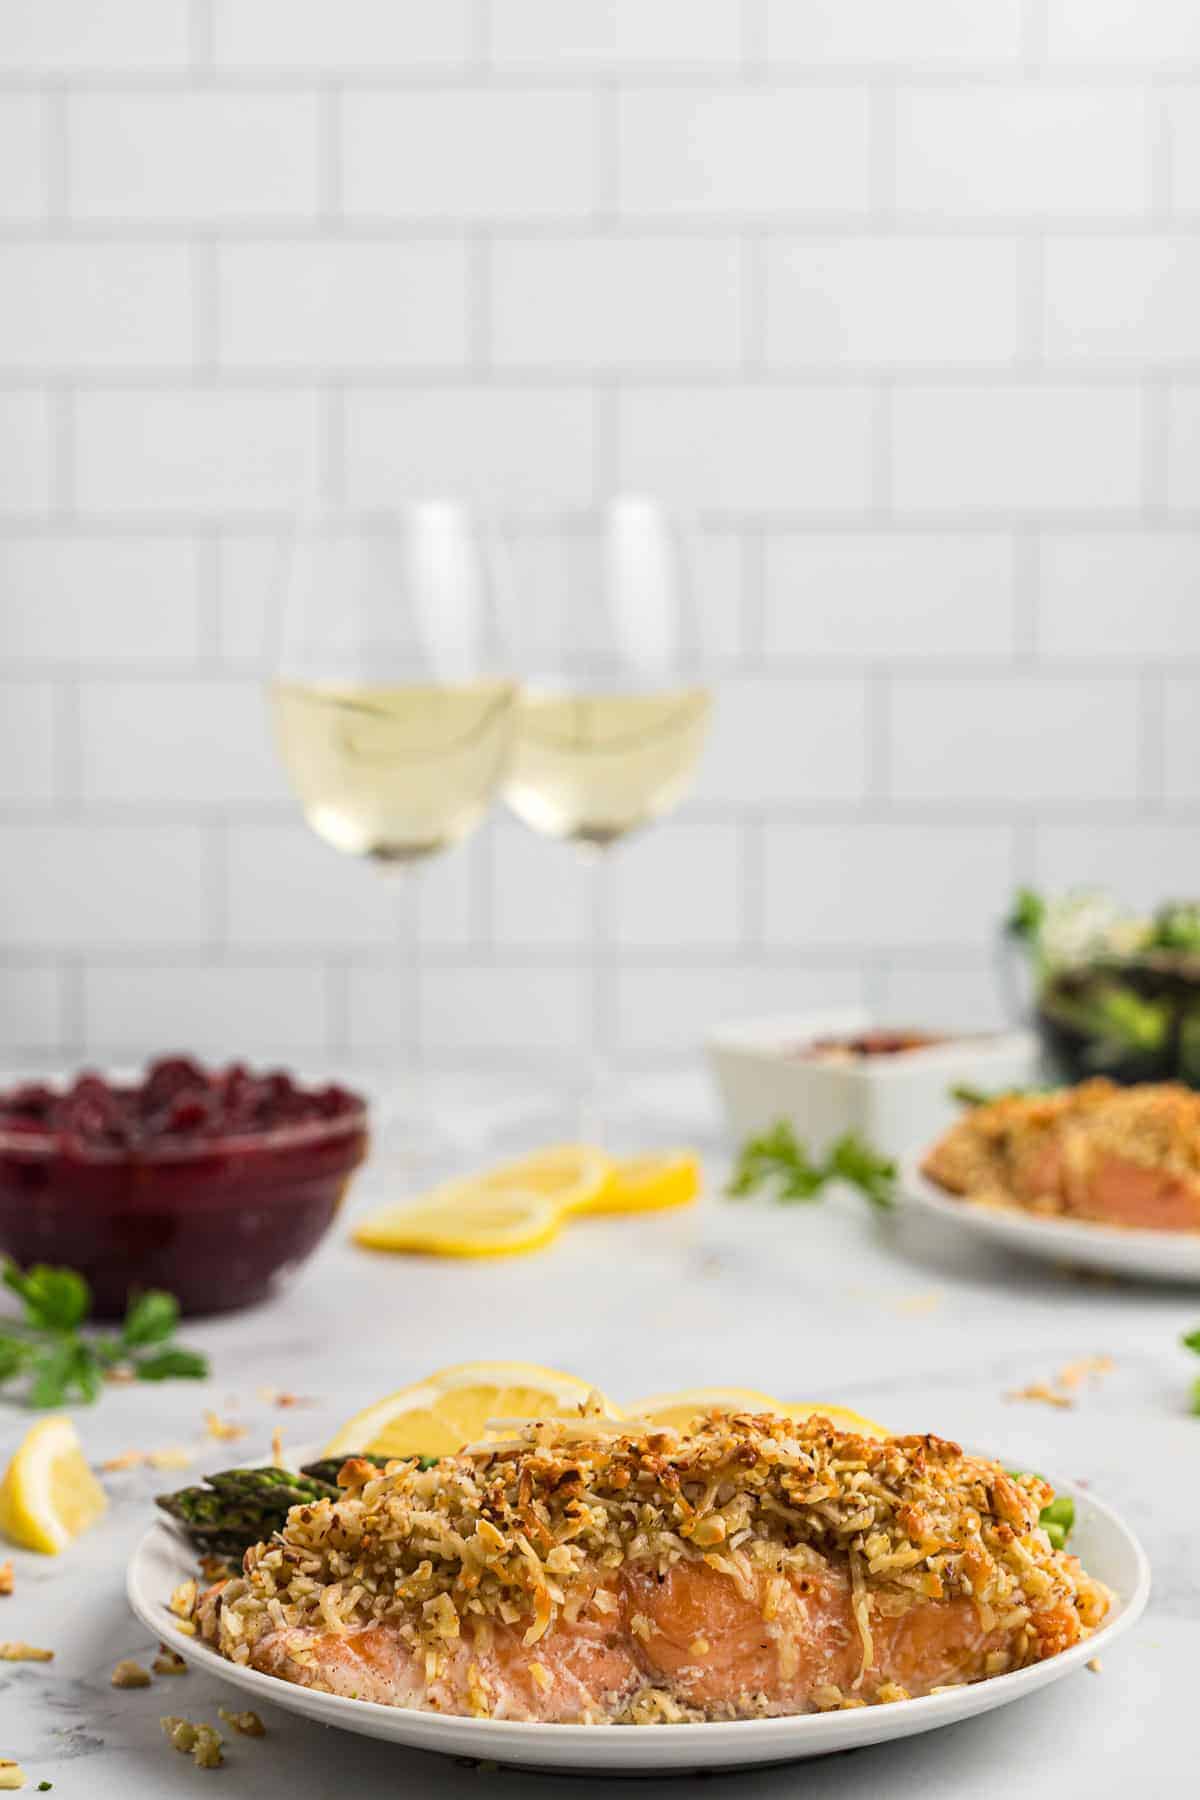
(921, 1331)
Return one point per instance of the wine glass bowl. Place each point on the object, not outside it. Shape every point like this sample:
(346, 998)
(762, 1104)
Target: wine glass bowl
(392, 723)
(614, 711)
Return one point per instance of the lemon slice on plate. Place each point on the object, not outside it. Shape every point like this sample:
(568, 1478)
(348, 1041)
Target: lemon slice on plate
(49, 1495)
(646, 1184)
(463, 1219)
(841, 1416)
(450, 1408)
(575, 1176)
(684, 1408)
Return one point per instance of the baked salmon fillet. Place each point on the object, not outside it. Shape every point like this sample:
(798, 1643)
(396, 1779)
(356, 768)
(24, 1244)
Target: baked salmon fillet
(597, 1573)
(1115, 1155)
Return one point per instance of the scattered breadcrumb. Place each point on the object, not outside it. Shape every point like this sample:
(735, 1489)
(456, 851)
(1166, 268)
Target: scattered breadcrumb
(12, 1775)
(130, 1674)
(1043, 1392)
(168, 1662)
(1059, 1392)
(119, 1374)
(17, 1652)
(280, 1397)
(175, 1456)
(128, 1459)
(201, 1742)
(248, 1723)
(6, 1578)
(226, 1431)
(1095, 1665)
(1075, 1373)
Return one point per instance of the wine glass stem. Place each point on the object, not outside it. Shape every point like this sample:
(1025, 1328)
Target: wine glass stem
(405, 1115)
(595, 1122)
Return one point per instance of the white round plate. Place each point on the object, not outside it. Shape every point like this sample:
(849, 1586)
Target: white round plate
(1148, 1255)
(1108, 1550)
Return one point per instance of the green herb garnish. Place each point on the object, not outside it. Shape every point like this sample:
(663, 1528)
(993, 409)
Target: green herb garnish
(778, 1160)
(1191, 1341)
(47, 1350)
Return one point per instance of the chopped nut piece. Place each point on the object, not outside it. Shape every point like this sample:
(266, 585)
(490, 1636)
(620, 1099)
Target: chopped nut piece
(17, 1652)
(215, 1568)
(1095, 1665)
(226, 1431)
(130, 1674)
(201, 1742)
(277, 1446)
(183, 1600)
(12, 1775)
(6, 1578)
(168, 1662)
(248, 1723)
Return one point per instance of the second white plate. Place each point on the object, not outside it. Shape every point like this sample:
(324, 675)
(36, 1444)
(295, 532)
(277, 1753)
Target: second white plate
(1145, 1255)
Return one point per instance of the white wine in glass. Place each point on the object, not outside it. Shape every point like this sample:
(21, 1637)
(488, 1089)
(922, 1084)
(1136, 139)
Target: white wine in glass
(614, 708)
(391, 718)
(394, 773)
(594, 766)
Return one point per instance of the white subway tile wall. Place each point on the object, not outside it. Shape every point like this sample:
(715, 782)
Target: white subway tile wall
(901, 300)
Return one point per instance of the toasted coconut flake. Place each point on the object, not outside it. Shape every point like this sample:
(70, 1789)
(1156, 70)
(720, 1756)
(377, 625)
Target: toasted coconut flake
(226, 1431)
(15, 1651)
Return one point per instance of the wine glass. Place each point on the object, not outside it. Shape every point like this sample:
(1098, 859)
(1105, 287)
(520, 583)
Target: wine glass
(391, 718)
(614, 707)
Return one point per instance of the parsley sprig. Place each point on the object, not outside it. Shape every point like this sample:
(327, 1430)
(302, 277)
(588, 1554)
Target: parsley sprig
(779, 1162)
(1191, 1341)
(48, 1352)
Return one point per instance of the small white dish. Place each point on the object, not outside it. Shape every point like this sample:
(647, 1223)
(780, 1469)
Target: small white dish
(1147, 1255)
(1107, 1548)
(897, 1103)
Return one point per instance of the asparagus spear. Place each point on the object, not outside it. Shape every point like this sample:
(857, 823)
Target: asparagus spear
(240, 1507)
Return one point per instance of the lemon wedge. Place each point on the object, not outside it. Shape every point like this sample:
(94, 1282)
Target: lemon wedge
(464, 1219)
(49, 1495)
(647, 1184)
(575, 1176)
(450, 1408)
(683, 1409)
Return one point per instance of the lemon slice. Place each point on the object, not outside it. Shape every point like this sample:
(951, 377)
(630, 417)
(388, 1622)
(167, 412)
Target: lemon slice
(646, 1184)
(49, 1495)
(575, 1176)
(683, 1409)
(451, 1408)
(463, 1220)
(841, 1416)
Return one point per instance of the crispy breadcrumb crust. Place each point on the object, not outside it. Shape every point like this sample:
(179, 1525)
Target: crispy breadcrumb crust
(527, 1531)
(998, 1152)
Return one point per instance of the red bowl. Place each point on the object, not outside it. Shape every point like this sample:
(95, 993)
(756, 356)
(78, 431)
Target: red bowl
(219, 1223)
